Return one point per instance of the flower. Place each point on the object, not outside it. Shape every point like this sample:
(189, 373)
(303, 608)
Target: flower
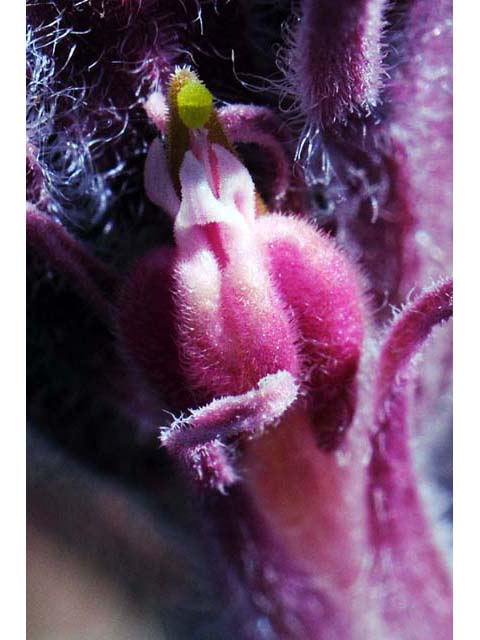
(267, 323)
(292, 394)
(261, 308)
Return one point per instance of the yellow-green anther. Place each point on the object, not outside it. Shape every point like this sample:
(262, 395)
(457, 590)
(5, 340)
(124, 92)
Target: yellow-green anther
(195, 104)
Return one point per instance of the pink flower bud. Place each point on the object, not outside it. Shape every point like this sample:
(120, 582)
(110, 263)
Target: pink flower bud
(242, 300)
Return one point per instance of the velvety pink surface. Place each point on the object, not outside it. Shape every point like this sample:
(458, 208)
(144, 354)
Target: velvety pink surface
(260, 350)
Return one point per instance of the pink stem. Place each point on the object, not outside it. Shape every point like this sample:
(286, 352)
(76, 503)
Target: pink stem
(336, 61)
(407, 562)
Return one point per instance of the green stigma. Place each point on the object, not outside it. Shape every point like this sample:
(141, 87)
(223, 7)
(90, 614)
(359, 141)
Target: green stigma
(195, 104)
